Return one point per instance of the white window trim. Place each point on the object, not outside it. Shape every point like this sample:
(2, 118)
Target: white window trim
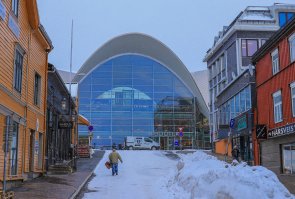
(275, 52)
(291, 38)
(292, 86)
(276, 94)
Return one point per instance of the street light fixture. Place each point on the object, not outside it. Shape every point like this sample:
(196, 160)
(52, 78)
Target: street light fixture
(63, 104)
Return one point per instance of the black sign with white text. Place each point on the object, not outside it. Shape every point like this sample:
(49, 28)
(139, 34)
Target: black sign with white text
(284, 130)
(65, 125)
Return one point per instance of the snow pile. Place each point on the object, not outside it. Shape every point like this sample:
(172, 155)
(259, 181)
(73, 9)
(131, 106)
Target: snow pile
(199, 175)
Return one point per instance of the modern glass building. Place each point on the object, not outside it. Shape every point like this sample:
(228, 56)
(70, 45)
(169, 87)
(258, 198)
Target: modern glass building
(135, 86)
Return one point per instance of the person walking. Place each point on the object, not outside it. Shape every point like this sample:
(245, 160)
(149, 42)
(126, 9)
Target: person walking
(114, 158)
(235, 153)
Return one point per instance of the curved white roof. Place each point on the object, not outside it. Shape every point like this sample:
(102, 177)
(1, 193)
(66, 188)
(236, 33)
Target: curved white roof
(137, 43)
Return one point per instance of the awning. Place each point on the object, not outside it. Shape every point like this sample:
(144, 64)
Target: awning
(82, 120)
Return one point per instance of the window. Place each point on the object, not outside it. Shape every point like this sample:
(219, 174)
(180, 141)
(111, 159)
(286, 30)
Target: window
(15, 5)
(14, 149)
(263, 41)
(292, 47)
(285, 17)
(148, 140)
(288, 157)
(37, 89)
(277, 102)
(275, 61)
(18, 70)
(249, 47)
(293, 98)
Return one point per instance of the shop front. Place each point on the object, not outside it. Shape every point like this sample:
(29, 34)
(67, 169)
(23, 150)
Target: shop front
(172, 140)
(278, 151)
(242, 136)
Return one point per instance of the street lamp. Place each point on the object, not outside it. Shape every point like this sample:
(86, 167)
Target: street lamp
(63, 104)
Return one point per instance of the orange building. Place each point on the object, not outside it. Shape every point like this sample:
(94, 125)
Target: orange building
(24, 48)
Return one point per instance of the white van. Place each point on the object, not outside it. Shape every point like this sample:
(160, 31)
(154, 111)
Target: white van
(132, 142)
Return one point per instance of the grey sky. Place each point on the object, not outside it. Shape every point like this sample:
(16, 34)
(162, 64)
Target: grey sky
(187, 27)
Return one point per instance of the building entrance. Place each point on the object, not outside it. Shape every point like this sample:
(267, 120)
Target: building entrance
(244, 144)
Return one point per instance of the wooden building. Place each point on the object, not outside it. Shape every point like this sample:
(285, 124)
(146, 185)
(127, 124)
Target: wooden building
(275, 111)
(61, 122)
(24, 48)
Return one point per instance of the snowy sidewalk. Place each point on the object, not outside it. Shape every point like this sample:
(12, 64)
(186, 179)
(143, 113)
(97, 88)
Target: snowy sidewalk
(161, 175)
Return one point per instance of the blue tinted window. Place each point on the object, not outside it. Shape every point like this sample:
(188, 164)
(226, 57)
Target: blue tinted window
(134, 95)
(290, 15)
(282, 19)
(285, 17)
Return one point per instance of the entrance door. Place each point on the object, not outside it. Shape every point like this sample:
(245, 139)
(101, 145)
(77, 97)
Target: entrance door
(32, 152)
(163, 143)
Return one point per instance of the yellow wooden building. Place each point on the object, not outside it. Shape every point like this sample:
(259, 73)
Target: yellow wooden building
(24, 48)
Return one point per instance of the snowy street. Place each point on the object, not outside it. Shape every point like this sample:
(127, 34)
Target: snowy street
(138, 176)
(153, 175)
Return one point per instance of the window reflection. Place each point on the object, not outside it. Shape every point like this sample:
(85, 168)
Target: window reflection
(134, 95)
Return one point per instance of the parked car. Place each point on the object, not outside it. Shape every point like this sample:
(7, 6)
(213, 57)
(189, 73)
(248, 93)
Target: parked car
(132, 142)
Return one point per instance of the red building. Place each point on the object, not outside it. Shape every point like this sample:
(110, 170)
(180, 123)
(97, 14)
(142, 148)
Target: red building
(274, 142)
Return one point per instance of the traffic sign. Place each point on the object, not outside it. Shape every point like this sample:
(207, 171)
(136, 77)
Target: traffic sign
(232, 123)
(90, 128)
(180, 133)
(176, 143)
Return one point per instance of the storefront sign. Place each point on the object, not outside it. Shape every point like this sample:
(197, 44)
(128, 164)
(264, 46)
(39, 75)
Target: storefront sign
(13, 25)
(285, 130)
(65, 125)
(2, 11)
(242, 123)
(165, 134)
(261, 132)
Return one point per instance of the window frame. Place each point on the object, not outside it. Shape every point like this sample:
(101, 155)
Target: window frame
(292, 50)
(292, 86)
(37, 89)
(283, 158)
(14, 156)
(280, 104)
(275, 62)
(247, 46)
(15, 7)
(18, 68)
(287, 18)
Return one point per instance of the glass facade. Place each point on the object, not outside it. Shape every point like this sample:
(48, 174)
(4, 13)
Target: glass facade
(135, 95)
(239, 103)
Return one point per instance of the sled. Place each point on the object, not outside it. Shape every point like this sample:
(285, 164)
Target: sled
(108, 165)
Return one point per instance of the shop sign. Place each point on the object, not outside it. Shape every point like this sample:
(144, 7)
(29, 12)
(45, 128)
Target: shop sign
(242, 123)
(2, 11)
(285, 130)
(165, 134)
(65, 125)
(13, 25)
(261, 131)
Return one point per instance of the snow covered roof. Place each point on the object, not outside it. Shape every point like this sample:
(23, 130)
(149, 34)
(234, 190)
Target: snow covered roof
(257, 18)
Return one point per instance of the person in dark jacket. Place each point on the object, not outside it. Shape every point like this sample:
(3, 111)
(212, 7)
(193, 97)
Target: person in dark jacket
(114, 158)
(235, 153)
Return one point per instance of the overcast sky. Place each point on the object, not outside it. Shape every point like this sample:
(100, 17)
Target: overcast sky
(187, 27)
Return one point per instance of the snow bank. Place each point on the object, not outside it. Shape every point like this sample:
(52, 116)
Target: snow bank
(199, 175)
